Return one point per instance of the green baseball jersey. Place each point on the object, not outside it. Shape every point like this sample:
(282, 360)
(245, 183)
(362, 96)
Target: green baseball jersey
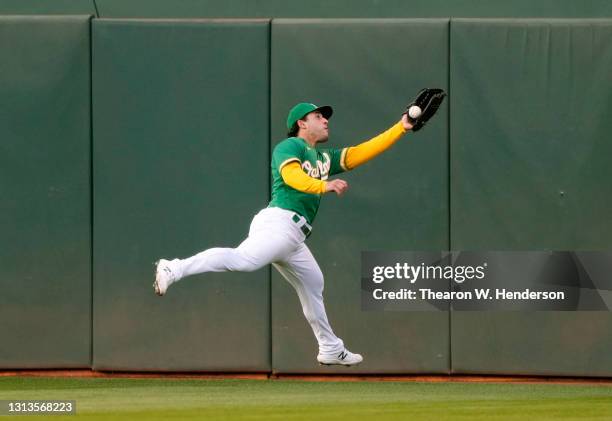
(317, 163)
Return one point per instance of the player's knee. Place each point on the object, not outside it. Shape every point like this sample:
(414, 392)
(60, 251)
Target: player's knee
(317, 283)
(244, 263)
(244, 266)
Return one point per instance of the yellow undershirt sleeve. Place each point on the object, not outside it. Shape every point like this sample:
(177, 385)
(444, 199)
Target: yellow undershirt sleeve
(362, 153)
(294, 176)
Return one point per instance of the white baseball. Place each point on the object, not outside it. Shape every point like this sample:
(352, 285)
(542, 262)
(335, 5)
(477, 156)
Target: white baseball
(414, 111)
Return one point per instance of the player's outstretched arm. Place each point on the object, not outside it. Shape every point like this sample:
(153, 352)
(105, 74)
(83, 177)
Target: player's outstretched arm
(364, 152)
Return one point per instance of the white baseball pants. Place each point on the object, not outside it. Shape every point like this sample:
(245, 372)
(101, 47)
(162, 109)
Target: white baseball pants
(274, 238)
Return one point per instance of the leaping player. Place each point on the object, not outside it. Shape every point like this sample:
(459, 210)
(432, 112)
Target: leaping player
(300, 172)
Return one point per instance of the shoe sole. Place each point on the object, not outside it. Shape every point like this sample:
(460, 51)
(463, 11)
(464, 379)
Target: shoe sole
(156, 284)
(345, 365)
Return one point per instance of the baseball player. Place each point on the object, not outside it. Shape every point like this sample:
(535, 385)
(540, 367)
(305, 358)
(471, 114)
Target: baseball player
(300, 172)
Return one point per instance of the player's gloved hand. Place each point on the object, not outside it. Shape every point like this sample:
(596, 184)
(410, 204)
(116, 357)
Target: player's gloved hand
(338, 186)
(428, 100)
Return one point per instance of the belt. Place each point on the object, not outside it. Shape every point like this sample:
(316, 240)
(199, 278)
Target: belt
(305, 226)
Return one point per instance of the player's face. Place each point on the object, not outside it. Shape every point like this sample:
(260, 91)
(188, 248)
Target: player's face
(316, 125)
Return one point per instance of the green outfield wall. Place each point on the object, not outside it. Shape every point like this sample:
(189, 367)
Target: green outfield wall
(128, 140)
(352, 8)
(368, 9)
(356, 67)
(181, 164)
(47, 7)
(45, 192)
(530, 171)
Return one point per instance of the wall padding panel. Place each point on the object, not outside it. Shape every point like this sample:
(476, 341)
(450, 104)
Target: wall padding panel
(45, 222)
(530, 129)
(396, 202)
(181, 147)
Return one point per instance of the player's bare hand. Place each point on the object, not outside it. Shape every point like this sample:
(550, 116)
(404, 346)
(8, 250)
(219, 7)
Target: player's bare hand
(405, 122)
(338, 186)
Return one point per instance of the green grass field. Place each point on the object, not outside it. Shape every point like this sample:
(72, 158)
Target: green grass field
(177, 399)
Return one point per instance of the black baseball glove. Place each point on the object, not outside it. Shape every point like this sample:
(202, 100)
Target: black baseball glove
(428, 100)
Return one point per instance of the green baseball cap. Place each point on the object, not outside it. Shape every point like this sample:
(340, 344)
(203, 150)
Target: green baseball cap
(303, 108)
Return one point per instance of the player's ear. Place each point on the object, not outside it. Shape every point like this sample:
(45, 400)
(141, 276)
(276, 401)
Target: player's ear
(301, 124)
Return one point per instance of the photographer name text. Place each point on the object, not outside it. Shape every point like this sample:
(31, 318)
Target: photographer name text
(475, 294)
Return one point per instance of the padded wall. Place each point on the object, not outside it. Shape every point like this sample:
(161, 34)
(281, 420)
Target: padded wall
(182, 115)
(530, 129)
(181, 165)
(353, 8)
(45, 192)
(396, 202)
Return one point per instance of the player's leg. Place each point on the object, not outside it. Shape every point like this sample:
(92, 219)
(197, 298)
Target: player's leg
(301, 270)
(252, 254)
(267, 242)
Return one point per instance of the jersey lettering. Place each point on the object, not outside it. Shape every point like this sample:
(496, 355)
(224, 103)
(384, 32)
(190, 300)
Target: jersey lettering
(321, 171)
